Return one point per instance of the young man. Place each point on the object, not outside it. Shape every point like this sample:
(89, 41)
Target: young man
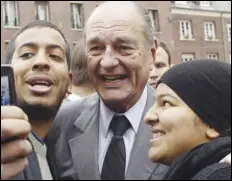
(161, 64)
(40, 57)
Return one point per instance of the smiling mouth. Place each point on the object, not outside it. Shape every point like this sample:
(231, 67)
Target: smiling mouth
(114, 78)
(156, 135)
(40, 84)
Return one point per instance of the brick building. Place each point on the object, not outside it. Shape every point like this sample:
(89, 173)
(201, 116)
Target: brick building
(191, 29)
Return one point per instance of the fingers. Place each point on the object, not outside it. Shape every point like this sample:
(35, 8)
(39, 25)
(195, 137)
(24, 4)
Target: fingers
(10, 170)
(14, 122)
(16, 149)
(14, 112)
(14, 127)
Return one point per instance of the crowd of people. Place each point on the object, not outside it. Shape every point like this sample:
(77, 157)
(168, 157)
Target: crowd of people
(114, 108)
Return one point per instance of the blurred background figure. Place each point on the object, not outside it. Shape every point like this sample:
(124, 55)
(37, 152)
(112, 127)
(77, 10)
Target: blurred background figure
(160, 65)
(81, 86)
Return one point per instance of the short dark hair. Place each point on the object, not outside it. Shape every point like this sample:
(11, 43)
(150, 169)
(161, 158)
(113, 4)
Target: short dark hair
(79, 67)
(165, 47)
(41, 24)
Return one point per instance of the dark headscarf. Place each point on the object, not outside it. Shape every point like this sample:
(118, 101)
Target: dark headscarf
(205, 86)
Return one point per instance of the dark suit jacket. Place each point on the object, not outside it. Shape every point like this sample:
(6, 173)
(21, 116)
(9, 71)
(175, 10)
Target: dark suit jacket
(32, 172)
(73, 143)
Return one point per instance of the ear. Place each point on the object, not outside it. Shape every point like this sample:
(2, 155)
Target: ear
(211, 133)
(153, 49)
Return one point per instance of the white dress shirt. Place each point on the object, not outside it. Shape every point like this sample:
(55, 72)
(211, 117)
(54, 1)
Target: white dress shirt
(73, 97)
(41, 152)
(134, 115)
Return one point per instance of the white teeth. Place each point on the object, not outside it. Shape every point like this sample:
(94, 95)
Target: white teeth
(111, 77)
(40, 86)
(157, 135)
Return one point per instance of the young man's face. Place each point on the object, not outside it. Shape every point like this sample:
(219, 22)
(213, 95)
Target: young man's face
(160, 66)
(40, 67)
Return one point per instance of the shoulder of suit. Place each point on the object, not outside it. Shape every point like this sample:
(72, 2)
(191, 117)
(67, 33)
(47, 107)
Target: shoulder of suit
(70, 111)
(77, 106)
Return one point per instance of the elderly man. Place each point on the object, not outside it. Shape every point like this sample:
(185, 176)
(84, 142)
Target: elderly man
(104, 136)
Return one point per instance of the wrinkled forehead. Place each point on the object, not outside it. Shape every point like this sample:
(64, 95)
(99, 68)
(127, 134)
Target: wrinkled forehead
(114, 16)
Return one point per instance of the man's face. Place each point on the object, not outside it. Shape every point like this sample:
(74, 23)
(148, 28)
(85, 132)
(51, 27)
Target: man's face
(161, 65)
(118, 57)
(40, 67)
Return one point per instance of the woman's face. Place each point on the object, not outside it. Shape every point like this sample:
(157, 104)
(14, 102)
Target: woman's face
(176, 128)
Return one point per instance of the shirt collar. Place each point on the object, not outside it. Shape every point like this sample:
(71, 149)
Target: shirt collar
(134, 114)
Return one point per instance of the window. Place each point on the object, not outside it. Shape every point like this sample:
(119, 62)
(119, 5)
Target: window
(229, 31)
(10, 12)
(185, 30)
(77, 16)
(209, 28)
(153, 14)
(42, 10)
(212, 56)
(187, 57)
(205, 3)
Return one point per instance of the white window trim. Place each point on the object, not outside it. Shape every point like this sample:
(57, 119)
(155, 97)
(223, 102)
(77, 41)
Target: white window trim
(213, 33)
(189, 33)
(77, 3)
(211, 55)
(204, 4)
(229, 32)
(189, 56)
(17, 17)
(47, 8)
(154, 24)
(181, 2)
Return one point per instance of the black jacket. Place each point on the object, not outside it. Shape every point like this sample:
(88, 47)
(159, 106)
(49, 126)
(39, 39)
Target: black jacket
(202, 163)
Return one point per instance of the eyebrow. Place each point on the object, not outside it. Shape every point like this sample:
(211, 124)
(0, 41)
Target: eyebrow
(125, 40)
(165, 95)
(122, 40)
(49, 46)
(94, 40)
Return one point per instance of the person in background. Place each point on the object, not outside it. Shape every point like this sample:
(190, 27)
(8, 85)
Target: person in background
(161, 64)
(40, 57)
(81, 86)
(191, 121)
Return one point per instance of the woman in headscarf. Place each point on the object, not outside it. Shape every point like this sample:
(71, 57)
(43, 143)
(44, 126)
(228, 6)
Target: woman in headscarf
(191, 120)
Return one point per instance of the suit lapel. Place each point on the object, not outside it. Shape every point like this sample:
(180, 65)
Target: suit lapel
(84, 147)
(140, 167)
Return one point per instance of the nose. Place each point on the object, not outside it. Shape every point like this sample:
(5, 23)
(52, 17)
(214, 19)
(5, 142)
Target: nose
(109, 61)
(41, 62)
(151, 117)
(154, 73)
